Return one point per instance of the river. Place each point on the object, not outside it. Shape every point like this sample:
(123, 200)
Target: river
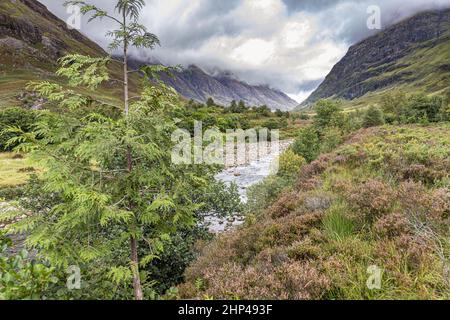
(244, 176)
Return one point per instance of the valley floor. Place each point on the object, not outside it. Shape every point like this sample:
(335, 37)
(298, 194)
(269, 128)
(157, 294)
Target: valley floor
(366, 221)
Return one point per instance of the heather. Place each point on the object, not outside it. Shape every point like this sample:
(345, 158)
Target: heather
(381, 198)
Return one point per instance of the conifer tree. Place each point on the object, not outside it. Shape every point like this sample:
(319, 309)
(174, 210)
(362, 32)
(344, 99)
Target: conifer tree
(114, 183)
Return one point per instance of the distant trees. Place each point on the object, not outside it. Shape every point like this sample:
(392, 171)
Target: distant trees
(401, 108)
(264, 111)
(237, 107)
(241, 106)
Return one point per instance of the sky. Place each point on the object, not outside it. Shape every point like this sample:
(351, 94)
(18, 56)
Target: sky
(290, 45)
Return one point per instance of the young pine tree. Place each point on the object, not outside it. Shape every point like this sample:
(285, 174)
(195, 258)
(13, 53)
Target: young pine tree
(113, 177)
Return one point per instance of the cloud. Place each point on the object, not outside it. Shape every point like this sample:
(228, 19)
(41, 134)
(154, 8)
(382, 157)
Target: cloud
(290, 45)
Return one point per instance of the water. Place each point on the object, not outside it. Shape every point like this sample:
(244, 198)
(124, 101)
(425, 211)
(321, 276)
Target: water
(244, 176)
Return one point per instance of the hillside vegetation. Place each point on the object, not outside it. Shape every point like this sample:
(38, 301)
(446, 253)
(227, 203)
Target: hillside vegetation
(377, 199)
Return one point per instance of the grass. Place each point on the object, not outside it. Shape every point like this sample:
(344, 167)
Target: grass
(336, 224)
(13, 171)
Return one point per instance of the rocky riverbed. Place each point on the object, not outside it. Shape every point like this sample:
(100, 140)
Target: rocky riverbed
(245, 176)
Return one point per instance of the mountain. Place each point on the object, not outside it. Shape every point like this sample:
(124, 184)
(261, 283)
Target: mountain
(196, 84)
(411, 55)
(32, 39)
(30, 35)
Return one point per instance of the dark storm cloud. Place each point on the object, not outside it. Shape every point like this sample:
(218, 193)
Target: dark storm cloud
(346, 19)
(210, 19)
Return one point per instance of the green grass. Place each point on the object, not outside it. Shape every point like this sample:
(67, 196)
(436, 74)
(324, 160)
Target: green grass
(336, 224)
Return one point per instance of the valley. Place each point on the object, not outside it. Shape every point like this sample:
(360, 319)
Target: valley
(117, 169)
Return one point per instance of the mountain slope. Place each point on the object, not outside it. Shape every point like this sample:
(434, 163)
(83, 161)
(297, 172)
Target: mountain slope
(380, 199)
(31, 41)
(194, 83)
(411, 55)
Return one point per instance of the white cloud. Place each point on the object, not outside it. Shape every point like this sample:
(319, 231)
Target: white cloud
(255, 52)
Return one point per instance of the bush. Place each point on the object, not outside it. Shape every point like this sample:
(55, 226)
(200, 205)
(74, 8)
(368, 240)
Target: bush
(261, 195)
(331, 138)
(290, 164)
(328, 114)
(307, 144)
(417, 108)
(21, 278)
(304, 116)
(273, 124)
(14, 117)
(373, 117)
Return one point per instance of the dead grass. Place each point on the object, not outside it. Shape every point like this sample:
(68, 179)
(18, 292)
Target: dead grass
(14, 170)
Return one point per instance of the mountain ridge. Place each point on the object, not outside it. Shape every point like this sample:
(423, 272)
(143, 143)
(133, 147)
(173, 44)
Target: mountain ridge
(402, 56)
(193, 82)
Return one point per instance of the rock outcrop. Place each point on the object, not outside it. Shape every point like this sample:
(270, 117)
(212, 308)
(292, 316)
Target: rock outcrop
(390, 58)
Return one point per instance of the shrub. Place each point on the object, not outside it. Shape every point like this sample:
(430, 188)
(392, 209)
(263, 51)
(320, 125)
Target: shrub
(14, 117)
(392, 225)
(273, 124)
(290, 164)
(331, 138)
(21, 278)
(307, 144)
(372, 199)
(328, 114)
(373, 117)
(416, 108)
(304, 116)
(261, 195)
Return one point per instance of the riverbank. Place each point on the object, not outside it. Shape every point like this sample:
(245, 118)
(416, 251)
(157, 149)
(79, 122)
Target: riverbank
(245, 176)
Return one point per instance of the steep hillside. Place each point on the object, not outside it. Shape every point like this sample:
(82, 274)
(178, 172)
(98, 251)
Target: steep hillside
(31, 41)
(194, 83)
(412, 55)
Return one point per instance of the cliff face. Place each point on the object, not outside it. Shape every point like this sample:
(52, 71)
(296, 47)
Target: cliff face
(414, 52)
(194, 83)
(30, 35)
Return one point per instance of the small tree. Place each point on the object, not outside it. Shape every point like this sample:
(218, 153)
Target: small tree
(241, 106)
(210, 102)
(115, 181)
(328, 114)
(373, 117)
(233, 106)
(307, 144)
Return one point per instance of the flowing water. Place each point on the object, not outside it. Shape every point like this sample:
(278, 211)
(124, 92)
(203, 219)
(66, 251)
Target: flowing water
(244, 176)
